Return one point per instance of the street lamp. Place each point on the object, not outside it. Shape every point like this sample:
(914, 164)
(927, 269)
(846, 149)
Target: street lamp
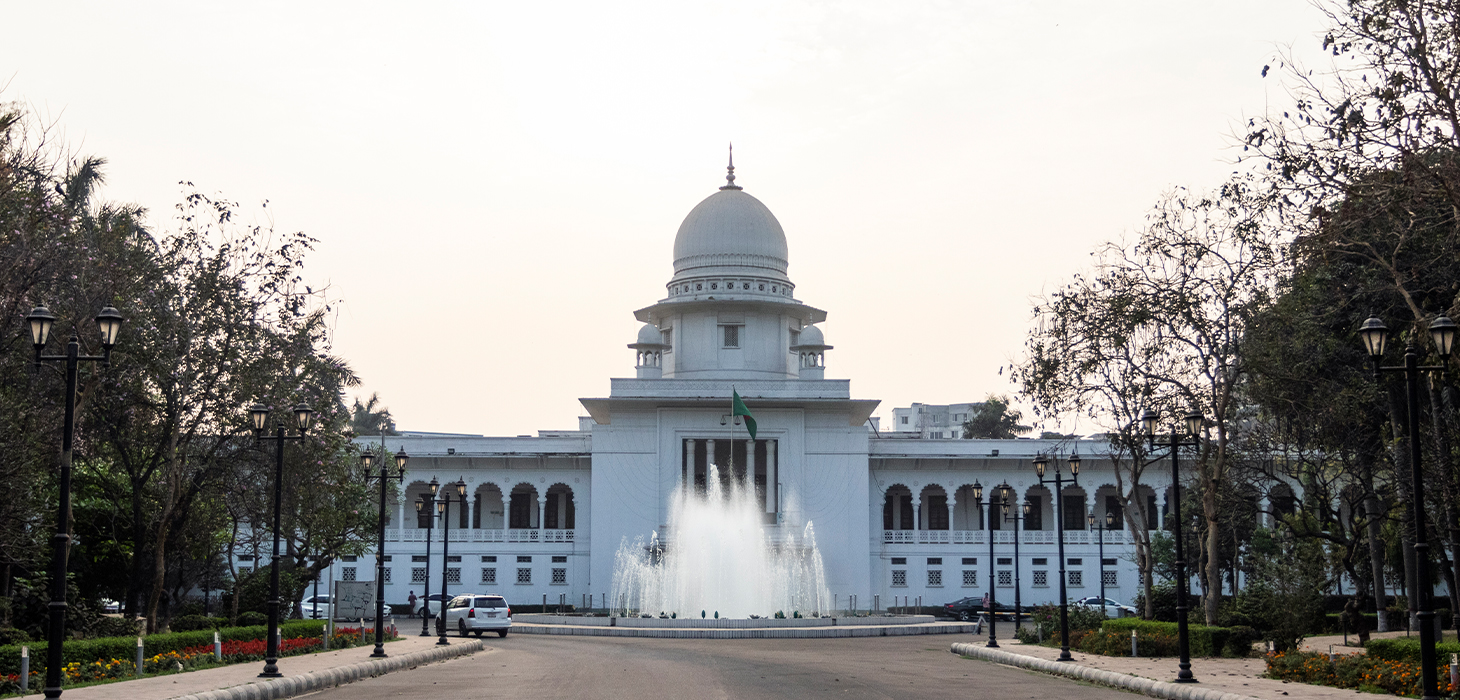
(1192, 422)
(367, 460)
(1041, 464)
(1017, 519)
(1103, 525)
(303, 416)
(427, 504)
(989, 509)
(109, 322)
(443, 507)
(1442, 333)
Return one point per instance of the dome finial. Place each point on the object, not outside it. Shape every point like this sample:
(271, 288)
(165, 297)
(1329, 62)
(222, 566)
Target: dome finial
(730, 172)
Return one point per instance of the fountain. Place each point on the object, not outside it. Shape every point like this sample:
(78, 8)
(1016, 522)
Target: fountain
(718, 558)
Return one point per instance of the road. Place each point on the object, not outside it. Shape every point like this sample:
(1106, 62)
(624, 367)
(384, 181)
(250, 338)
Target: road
(534, 666)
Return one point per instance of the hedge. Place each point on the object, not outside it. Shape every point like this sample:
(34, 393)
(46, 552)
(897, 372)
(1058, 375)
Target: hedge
(85, 651)
(1407, 649)
(1203, 640)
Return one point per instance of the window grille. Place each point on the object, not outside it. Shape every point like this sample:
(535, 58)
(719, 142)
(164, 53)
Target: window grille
(1110, 579)
(489, 575)
(899, 578)
(489, 558)
(524, 575)
(418, 574)
(453, 575)
(935, 577)
(560, 576)
(1077, 578)
(560, 559)
(1006, 578)
(386, 578)
(1041, 579)
(521, 559)
(970, 578)
(347, 573)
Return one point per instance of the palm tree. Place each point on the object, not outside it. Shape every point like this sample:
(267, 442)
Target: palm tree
(371, 418)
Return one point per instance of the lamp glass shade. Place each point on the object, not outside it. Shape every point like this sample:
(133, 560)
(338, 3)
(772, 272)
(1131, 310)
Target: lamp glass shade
(1194, 422)
(1109, 518)
(260, 415)
(433, 486)
(1375, 335)
(420, 503)
(977, 491)
(1026, 509)
(1442, 330)
(1039, 464)
(401, 458)
(109, 322)
(441, 507)
(1090, 520)
(461, 489)
(1149, 419)
(303, 417)
(40, 320)
(367, 459)
(1075, 464)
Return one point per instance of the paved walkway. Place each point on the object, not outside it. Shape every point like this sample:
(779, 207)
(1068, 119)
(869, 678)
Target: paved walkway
(244, 674)
(1241, 677)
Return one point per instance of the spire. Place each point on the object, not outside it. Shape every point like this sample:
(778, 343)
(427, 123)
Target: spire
(730, 173)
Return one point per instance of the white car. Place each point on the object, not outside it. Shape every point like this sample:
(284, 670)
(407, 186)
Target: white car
(1112, 608)
(428, 605)
(476, 613)
(316, 607)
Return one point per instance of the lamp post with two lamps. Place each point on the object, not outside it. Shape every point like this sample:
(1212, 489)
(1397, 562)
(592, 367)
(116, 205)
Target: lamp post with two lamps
(367, 460)
(426, 504)
(1017, 518)
(1192, 422)
(1100, 527)
(988, 507)
(303, 416)
(1041, 463)
(443, 507)
(1375, 336)
(109, 322)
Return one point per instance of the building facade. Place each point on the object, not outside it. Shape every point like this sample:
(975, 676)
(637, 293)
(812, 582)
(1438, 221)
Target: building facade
(894, 512)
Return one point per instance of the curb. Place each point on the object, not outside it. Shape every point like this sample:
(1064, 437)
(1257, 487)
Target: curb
(1144, 686)
(290, 686)
(754, 633)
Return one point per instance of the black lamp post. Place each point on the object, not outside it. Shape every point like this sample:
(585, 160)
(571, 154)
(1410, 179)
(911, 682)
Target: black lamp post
(109, 322)
(1040, 464)
(367, 460)
(1192, 422)
(1442, 332)
(443, 506)
(989, 509)
(427, 504)
(303, 416)
(1014, 516)
(1101, 526)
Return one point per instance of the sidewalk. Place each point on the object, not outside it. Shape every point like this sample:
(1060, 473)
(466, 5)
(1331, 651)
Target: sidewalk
(302, 674)
(1227, 679)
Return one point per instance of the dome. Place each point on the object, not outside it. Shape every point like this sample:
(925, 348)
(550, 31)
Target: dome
(730, 233)
(811, 335)
(649, 335)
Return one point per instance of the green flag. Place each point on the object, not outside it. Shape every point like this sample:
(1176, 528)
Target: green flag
(737, 408)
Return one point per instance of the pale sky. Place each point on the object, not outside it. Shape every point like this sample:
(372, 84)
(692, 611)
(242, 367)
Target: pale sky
(496, 186)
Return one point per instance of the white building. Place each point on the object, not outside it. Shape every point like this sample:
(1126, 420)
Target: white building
(894, 516)
(933, 421)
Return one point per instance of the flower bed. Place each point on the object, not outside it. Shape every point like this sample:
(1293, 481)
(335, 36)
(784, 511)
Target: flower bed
(1358, 672)
(184, 659)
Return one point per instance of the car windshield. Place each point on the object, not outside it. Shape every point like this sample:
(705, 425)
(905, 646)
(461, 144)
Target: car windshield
(491, 603)
(461, 603)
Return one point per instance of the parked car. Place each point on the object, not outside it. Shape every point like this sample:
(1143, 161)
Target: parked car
(966, 609)
(1112, 608)
(316, 607)
(475, 613)
(110, 606)
(430, 605)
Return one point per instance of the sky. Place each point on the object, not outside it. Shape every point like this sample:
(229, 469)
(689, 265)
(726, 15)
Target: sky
(496, 186)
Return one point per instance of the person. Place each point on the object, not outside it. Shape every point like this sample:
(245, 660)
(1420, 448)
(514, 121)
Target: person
(412, 601)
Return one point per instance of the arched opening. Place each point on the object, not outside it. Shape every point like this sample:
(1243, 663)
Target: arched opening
(558, 513)
(1073, 505)
(522, 508)
(897, 508)
(1145, 509)
(934, 511)
(487, 511)
(1041, 509)
(1107, 502)
(967, 513)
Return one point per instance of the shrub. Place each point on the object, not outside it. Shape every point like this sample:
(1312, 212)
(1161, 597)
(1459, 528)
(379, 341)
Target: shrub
(1203, 640)
(252, 618)
(1163, 602)
(191, 623)
(10, 635)
(85, 651)
(1407, 649)
(116, 627)
(1359, 672)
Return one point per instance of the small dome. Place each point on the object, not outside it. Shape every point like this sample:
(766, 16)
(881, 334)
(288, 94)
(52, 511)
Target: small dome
(649, 335)
(811, 335)
(730, 233)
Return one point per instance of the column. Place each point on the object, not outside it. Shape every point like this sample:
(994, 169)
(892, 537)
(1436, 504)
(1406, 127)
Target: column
(466, 506)
(772, 480)
(541, 511)
(749, 484)
(686, 467)
(952, 507)
(506, 511)
(917, 504)
(400, 513)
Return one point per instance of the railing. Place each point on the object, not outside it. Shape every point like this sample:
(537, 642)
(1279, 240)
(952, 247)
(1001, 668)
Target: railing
(530, 535)
(1033, 537)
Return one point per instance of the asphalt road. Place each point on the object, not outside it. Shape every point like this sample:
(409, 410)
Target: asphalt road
(539, 666)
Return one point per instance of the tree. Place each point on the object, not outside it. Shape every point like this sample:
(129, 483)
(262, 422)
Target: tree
(994, 420)
(371, 418)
